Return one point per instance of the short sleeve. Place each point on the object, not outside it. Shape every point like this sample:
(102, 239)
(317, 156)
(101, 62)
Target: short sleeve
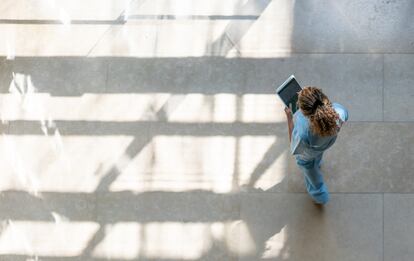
(342, 112)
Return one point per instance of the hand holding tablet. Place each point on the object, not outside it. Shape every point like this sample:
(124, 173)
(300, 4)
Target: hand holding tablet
(288, 93)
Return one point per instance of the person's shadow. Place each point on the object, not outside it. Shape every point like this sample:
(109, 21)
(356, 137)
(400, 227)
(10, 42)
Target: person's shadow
(276, 223)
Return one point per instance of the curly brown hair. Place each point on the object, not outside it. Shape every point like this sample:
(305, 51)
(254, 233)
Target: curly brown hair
(316, 106)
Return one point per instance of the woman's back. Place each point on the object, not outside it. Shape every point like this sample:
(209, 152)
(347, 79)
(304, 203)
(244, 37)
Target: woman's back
(308, 145)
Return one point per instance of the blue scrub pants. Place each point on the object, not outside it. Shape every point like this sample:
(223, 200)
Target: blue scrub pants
(313, 179)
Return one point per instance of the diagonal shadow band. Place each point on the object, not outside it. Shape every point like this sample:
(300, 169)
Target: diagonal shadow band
(138, 144)
(268, 159)
(133, 149)
(234, 32)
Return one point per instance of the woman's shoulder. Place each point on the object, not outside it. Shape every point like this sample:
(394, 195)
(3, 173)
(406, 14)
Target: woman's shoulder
(298, 116)
(341, 110)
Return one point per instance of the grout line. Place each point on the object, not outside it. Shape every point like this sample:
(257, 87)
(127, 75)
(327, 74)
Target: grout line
(107, 64)
(102, 192)
(339, 53)
(119, 18)
(383, 221)
(268, 54)
(383, 86)
(410, 121)
(332, 193)
(329, 53)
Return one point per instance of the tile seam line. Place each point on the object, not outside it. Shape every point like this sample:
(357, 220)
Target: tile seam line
(201, 122)
(383, 87)
(228, 193)
(383, 226)
(332, 193)
(338, 53)
(381, 121)
(120, 16)
(199, 57)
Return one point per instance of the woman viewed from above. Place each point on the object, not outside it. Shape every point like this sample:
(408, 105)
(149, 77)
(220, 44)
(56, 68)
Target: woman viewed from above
(312, 130)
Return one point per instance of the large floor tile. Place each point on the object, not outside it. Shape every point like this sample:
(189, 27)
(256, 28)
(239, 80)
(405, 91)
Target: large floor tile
(136, 40)
(238, 18)
(49, 40)
(197, 9)
(280, 26)
(52, 225)
(193, 38)
(22, 240)
(353, 26)
(256, 27)
(182, 38)
(398, 87)
(179, 75)
(6, 74)
(47, 207)
(33, 11)
(398, 227)
(218, 164)
(55, 76)
(291, 227)
(183, 158)
(240, 76)
(160, 206)
(196, 223)
(270, 35)
(54, 162)
(340, 76)
(367, 157)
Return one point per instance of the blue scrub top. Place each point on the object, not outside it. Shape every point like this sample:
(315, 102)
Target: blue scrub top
(307, 146)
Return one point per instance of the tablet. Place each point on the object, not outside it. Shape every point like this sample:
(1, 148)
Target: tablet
(288, 93)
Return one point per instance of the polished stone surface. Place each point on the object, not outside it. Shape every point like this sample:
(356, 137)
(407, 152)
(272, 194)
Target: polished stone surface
(252, 28)
(367, 157)
(290, 227)
(398, 228)
(356, 74)
(34, 11)
(398, 87)
(49, 40)
(363, 27)
(150, 130)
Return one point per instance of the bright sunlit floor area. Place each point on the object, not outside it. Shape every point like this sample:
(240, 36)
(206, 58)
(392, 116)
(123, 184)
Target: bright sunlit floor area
(150, 130)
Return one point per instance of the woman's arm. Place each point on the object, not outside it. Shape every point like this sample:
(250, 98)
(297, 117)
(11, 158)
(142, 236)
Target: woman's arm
(289, 118)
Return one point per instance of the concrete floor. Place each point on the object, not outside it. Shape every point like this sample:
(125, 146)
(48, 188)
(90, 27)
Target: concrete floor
(149, 130)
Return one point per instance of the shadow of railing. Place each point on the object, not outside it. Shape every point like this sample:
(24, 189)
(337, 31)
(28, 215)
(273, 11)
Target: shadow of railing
(189, 207)
(63, 76)
(66, 76)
